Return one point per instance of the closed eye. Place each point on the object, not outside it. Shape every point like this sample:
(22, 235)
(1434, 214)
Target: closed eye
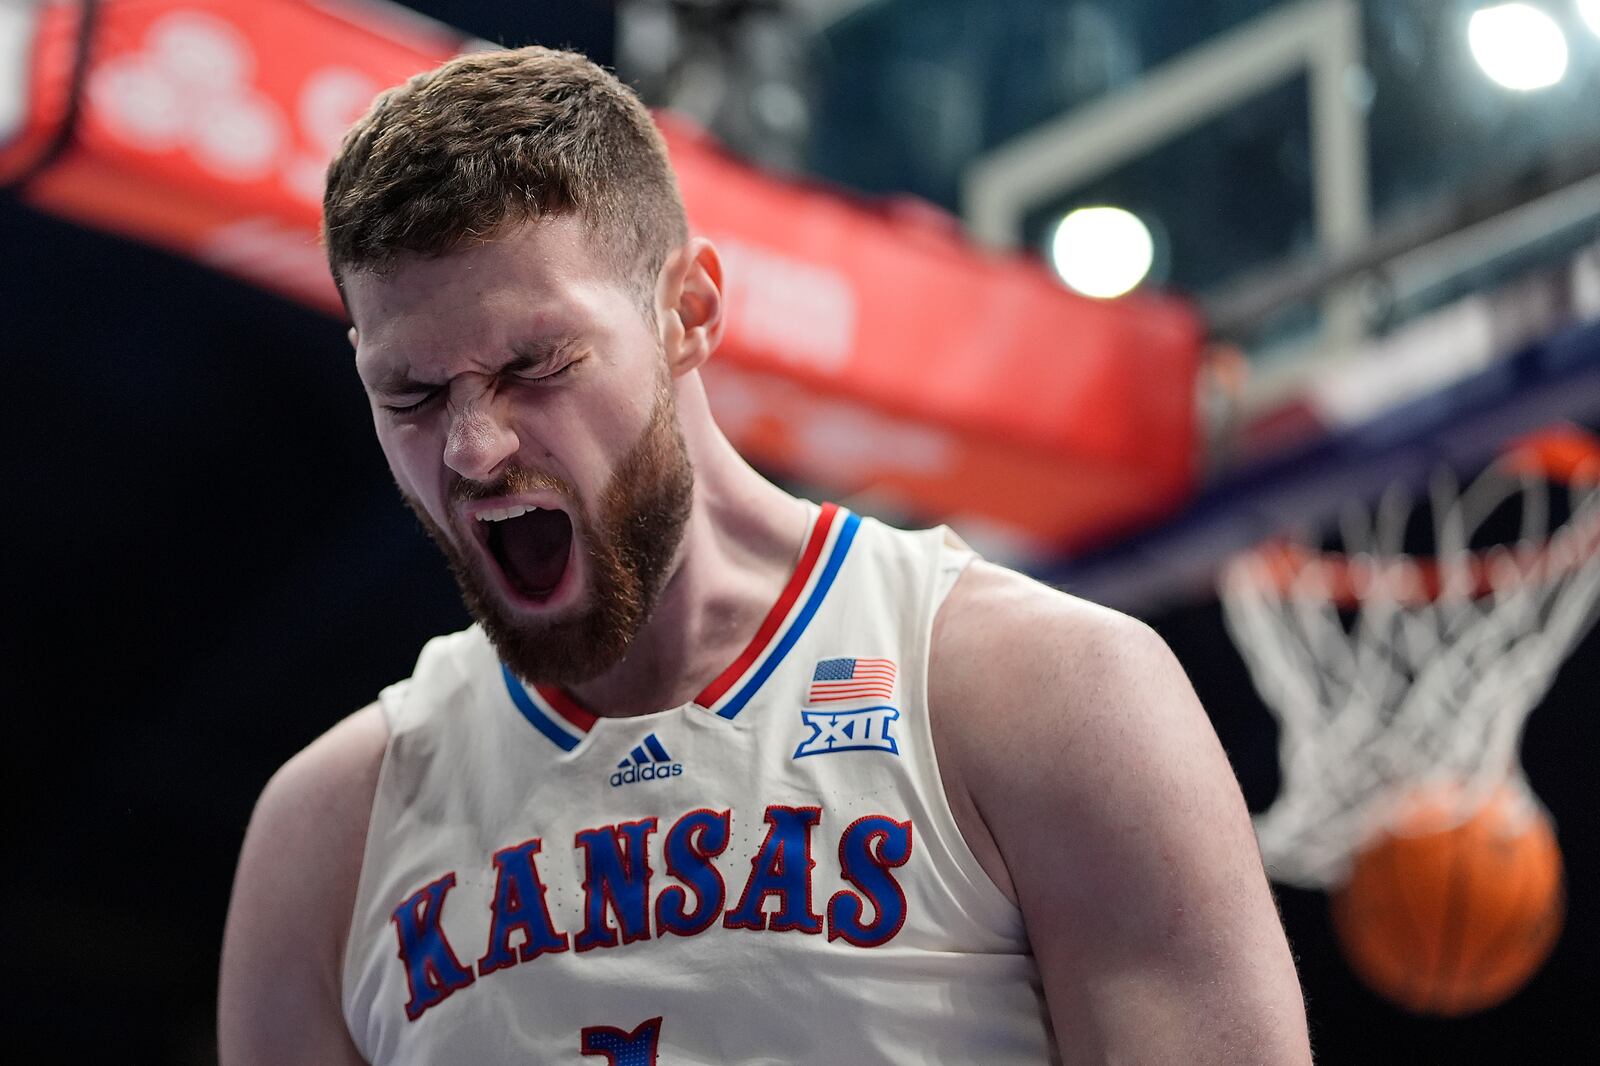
(552, 375)
(414, 405)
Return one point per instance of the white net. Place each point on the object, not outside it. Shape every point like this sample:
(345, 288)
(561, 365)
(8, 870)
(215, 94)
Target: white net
(1389, 672)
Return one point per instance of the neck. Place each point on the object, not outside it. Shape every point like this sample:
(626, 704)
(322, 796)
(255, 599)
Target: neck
(741, 542)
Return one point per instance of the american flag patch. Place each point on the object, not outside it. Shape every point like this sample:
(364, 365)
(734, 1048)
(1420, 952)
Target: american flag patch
(851, 679)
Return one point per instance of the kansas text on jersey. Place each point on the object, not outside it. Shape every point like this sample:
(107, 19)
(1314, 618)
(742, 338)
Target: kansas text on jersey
(622, 906)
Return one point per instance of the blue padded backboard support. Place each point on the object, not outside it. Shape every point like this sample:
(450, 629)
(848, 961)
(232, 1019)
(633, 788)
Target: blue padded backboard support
(1462, 426)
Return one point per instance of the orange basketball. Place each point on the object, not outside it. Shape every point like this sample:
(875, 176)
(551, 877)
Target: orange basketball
(1449, 917)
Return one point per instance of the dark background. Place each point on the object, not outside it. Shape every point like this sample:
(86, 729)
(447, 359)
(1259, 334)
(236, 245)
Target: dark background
(209, 566)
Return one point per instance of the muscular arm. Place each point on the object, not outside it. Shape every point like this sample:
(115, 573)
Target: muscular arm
(1093, 788)
(282, 951)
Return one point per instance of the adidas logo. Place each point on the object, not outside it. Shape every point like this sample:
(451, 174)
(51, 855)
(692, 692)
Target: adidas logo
(648, 761)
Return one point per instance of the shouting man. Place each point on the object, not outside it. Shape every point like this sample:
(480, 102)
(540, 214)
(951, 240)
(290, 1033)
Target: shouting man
(720, 775)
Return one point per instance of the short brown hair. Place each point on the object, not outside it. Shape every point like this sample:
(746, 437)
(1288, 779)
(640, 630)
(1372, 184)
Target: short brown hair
(496, 137)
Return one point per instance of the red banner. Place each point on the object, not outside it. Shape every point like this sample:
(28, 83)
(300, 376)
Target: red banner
(871, 352)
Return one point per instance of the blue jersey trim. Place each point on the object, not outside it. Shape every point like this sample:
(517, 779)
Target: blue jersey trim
(846, 534)
(536, 718)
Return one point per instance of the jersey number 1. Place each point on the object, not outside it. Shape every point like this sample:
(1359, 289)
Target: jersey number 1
(637, 1048)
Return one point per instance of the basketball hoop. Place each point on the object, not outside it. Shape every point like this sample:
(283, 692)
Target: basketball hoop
(1389, 671)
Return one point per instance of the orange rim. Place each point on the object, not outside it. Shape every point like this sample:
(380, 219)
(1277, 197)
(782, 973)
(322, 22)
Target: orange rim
(1561, 454)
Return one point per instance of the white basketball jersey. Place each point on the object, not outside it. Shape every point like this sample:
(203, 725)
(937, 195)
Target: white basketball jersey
(770, 874)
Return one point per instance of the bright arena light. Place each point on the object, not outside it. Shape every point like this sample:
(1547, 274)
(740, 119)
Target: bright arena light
(1590, 10)
(1101, 251)
(1518, 45)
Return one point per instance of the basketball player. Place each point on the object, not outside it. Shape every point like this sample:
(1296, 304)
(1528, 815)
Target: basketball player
(719, 775)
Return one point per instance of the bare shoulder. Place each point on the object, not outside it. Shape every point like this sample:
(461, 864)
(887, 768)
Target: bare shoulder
(996, 611)
(1089, 781)
(293, 895)
(1019, 670)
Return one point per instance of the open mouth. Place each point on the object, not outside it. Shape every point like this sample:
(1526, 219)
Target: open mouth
(532, 546)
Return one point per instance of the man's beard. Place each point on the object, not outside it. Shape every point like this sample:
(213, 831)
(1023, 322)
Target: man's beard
(629, 546)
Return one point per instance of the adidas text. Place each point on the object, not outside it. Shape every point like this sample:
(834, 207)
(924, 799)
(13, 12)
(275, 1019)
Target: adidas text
(647, 772)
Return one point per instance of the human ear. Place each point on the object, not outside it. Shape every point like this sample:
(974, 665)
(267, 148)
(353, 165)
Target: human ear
(689, 305)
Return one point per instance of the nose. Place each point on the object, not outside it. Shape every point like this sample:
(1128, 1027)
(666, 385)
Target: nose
(480, 439)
